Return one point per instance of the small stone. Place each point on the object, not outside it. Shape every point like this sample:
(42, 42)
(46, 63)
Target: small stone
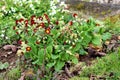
(118, 37)
(107, 42)
(5, 55)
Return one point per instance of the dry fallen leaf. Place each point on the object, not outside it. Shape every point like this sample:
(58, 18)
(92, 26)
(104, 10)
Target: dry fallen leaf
(10, 47)
(77, 55)
(22, 76)
(97, 48)
(100, 53)
(107, 42)
(29, 73)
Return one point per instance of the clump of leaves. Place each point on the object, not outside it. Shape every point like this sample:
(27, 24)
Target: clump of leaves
(4, 65)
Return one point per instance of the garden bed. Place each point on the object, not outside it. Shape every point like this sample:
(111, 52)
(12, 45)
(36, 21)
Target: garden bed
(50, 41)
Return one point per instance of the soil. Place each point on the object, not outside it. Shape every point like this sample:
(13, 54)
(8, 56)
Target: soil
(6, 57)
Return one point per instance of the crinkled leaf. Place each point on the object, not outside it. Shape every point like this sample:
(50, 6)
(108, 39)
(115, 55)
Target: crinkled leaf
(82, 52)
(106, 36)
(55, 56)
(51, 64)
(59, 65)
(49, 49)
(41, 56)
(74, 60)
(97, 40)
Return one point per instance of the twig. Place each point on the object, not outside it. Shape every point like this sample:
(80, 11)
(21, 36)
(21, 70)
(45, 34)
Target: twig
(67, 72)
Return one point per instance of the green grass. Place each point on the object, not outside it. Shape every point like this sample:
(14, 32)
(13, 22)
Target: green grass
(13, 74)
(103, 67)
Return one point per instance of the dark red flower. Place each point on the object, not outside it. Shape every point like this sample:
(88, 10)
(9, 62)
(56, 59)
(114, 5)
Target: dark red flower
(49, 28)
(37, 42)
(57, 22)
(26, 23)
(70, 23)
(47, 31)
(17, 33)
(47, 18)
(17, 21)
(21, 20)
(33, 16)
(75, 15)
(42, 24)
(14, 27)
(28, 48)
(35, 30)
(33, 22)
(20, 42)
(40, 18)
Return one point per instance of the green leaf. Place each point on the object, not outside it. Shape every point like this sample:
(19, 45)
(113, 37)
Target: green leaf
(97, 40)
(36, 61)
(34, 48)
(82, 52)
(49, 49)
(32, 40)
(55, 56)
(64, 56)
(59, 65)
(77, 47)
(3, 65)
(41, 56)
(51, 64)
(74, 60)
(55, 33)
(6, 65)
(106, 36)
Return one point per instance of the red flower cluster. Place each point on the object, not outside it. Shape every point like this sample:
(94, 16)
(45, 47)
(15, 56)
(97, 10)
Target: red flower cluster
(32, 20)
(22, 20)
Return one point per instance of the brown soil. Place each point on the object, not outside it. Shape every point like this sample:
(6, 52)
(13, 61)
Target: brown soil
(6, 57)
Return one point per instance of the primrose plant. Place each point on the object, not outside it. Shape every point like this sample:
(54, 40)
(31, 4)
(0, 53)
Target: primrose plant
(54, 39)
